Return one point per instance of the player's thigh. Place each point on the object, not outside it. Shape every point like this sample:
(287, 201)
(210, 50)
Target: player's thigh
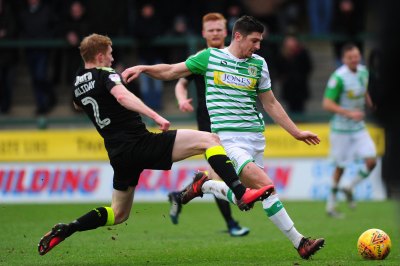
(365, 147)
(341, 148)
(190, 142)
(243, 148)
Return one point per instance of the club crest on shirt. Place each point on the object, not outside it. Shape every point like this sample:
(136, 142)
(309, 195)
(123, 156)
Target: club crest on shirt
(252, 70)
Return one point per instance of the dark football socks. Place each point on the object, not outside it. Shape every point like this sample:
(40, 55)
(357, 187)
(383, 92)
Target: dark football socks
(222, 165)
(101, 216)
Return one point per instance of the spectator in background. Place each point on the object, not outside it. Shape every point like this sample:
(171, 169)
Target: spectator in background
(266, 12)
(347, 24)
(106, 17)
(181, 31)
(375, 82)
(109, 18)
(320, 15)
(234, 12)
(289, 16)
(76, 27)
(149, 27)
(37, 21)
(294, 69)
(7, 55)
(269, 51)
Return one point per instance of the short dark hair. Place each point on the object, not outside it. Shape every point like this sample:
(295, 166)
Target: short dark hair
(246, 25)
(348, 47)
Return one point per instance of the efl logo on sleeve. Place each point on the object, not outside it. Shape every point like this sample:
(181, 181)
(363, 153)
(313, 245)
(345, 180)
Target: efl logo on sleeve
(115, 77)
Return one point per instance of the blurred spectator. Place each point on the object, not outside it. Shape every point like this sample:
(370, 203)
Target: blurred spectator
(264, 11)
(60, 11)
(76, 27)
(294, 69)
(289, 16)
(233, 13)
(7, 55)
(148, 27)
(375, 83)
(269, 51)
(37, 21)
(320, 16)
(180, 30)
(348, 22)
(219, 6)
(109, 18)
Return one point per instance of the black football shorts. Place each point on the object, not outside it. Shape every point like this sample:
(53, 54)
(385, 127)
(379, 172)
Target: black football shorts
(151, 151)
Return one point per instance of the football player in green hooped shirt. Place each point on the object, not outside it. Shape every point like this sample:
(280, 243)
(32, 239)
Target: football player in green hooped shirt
(234, 78)
(214, 32)
(345, 96)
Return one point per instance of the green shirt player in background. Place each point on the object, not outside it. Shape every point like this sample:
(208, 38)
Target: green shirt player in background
(234, 78)
(345, 96)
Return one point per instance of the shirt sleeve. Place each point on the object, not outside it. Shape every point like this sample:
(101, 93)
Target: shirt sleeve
(334, 88)
(265, 80)
(111, 79)
(197, 63)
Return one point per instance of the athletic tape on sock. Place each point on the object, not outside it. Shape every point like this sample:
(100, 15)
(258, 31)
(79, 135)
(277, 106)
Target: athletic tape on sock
(110, 216)
(215, 150)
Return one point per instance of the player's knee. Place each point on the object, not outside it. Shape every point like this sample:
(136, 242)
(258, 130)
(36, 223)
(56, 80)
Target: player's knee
(214, 139)
(371, 163)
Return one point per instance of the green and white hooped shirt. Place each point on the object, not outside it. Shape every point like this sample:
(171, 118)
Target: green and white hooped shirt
(348, 90)
(232, 85)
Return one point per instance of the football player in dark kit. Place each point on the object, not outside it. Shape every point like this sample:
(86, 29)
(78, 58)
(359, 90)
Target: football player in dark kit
(115, 112)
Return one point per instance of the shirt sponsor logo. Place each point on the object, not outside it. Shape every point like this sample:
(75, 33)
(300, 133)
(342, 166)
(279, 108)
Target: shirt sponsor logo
(84, 78)
(234, 81)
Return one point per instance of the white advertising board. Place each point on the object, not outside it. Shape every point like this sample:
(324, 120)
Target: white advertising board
(294, 179)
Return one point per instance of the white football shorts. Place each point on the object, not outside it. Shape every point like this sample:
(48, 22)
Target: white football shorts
(348, 147)
(244, 147)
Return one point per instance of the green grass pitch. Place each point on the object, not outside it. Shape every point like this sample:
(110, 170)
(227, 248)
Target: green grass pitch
(149, 238)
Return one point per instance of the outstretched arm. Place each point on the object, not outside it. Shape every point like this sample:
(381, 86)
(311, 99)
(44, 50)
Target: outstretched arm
(279, 115)
(159, 71)
(128, 100)
(181, 94)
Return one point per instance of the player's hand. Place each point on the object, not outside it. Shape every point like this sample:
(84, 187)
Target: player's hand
(308, 137)
(186, 105)
(356, 115)
(131, 73)
(163, 124)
